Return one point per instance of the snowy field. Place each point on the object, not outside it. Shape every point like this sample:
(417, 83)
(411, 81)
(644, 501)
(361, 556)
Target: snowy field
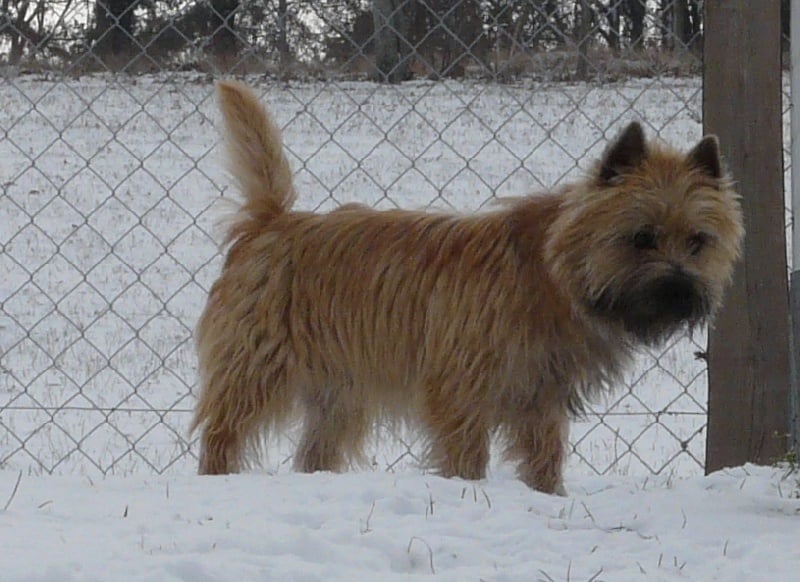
(738, 524)
(110, 200)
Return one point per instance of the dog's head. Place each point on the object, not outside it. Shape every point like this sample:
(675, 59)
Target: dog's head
(651, 238)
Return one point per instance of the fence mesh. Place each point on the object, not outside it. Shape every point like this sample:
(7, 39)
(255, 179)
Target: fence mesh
(111, 183)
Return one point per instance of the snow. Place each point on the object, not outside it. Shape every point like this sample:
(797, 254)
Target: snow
(100, 292)
(737, 524)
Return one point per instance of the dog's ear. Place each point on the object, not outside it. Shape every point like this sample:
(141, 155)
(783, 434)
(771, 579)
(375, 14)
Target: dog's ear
(705, 157)
(625, 153)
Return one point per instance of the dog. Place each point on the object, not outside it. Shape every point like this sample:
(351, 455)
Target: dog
(502, 323)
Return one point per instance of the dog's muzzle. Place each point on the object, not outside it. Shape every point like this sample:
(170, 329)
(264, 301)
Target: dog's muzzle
(675, 298)
(655, 309)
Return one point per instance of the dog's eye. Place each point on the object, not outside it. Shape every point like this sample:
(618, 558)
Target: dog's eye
(697, 242)
(645, 239)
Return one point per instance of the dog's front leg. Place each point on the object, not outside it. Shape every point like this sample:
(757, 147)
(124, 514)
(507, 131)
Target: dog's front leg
(538, 439)
(458, 431)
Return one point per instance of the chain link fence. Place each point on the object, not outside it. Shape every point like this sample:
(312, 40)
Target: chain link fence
(112, 182)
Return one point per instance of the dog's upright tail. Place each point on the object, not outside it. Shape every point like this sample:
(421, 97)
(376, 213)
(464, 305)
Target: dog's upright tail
(256, 155)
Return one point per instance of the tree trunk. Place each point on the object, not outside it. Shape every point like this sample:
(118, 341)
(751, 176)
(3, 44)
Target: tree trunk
(114, 27)
(224, 41)
(666, 14)
(613, 20)
(462, 32)
(680, 24)
(636, 12)
(696, 26)
(284, 53)
(392, 20)
(583, 27)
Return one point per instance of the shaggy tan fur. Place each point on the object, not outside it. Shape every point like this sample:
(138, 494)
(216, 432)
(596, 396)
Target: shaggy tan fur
(503, 322)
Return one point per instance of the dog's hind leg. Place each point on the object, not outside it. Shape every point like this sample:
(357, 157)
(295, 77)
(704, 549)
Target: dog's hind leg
(334, 430)
(221, 449)
(237, 405)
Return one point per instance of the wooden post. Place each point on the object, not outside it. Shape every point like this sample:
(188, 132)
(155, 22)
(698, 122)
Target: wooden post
(794, 281)
(749, 356)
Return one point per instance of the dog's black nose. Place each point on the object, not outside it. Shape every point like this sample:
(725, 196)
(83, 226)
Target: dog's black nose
(676, 296)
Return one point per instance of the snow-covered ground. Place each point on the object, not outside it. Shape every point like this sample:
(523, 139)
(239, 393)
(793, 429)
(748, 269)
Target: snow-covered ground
(107, 227)
(738, 524)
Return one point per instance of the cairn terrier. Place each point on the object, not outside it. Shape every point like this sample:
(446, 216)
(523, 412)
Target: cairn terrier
(500, 323)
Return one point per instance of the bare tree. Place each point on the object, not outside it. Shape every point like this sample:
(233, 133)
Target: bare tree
(224, 39)
(694, 29)
(447, 35)
(583, 27)
(26, 23)
(681, 24)
(283, 38)
(635, 11)
(114, 27)
(392, 20)
(611, 13)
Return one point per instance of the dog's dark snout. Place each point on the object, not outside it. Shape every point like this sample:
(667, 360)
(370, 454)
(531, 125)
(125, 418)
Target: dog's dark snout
(677, 296)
